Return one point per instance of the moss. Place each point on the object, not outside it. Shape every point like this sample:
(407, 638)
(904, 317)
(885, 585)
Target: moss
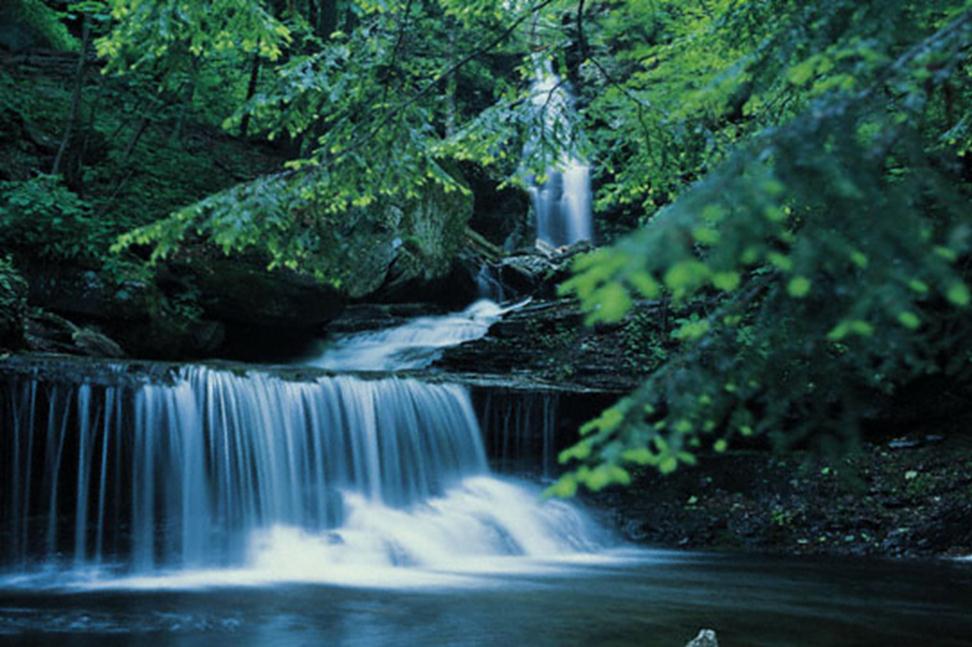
(24, 23)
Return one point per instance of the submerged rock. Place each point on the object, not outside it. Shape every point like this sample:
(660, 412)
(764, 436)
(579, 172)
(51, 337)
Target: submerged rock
(706, 638)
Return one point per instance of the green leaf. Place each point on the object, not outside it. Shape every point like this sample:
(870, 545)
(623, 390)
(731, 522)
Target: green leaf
(958, 293)
(726, 281)
(798, 287)
(909, 320)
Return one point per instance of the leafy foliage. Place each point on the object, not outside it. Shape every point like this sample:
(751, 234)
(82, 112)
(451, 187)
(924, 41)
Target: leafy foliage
(13, 303)
(44, 21)
(42, 214)
(801, 171)
(823, 256)
(379, 112)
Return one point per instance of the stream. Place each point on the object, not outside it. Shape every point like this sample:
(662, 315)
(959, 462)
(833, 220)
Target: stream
(638, 597)
(205, 503)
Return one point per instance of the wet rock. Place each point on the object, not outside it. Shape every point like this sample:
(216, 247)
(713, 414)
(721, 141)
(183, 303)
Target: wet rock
(48, 332)
(375, 316)
(527, 273)
(913, 441)
(135, 313)
(93, 343)
(706, 638)
(547, 340)
(538, 271)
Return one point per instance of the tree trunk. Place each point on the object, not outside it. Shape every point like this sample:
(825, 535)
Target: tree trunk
(250, 91)
(328, 17)
(75, 113)
(451, 89)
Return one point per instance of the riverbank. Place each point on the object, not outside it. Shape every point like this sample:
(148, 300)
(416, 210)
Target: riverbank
(906, 497)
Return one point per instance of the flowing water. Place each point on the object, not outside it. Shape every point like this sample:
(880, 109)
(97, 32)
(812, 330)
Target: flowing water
(562, 203)
(216, 505)
(264, 477)
(645, 598)
(415, 344)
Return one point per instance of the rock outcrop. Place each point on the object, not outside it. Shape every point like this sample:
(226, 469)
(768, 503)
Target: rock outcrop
(500, 213)
(49, 333)
(135, 312)
(202, 301)
(547, 340)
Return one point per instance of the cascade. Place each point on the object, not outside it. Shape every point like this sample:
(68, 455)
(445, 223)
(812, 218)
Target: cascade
(489, 284)
(414, 344)
(562, 204)
(215, 469)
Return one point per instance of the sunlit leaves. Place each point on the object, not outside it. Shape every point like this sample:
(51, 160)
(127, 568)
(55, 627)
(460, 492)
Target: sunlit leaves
(958, 293)
(798, 287)
(812, 265)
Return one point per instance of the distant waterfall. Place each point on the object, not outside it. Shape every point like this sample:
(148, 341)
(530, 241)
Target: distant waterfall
(562, 204)
(211, 467)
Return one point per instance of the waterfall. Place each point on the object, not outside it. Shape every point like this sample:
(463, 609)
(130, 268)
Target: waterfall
(489, 284)
(520, 431)
(214, 469)
(562, 204)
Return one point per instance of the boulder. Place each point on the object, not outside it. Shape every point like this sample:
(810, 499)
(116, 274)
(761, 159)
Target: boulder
(420, 250)
(537, 272)
(500, 213)
(202, 300)
(386, 251)
(136, 313)
(82, 292)
(50, 333)
(239, 289)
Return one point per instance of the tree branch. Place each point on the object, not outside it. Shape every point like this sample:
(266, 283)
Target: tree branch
(452, 69)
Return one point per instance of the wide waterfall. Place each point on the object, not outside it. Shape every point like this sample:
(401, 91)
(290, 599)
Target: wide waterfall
(562, 203)
(210, 469)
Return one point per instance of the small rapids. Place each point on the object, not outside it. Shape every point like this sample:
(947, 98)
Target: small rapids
(413, 345)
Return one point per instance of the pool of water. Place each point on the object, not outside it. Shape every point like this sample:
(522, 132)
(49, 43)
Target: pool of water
(620, 598)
